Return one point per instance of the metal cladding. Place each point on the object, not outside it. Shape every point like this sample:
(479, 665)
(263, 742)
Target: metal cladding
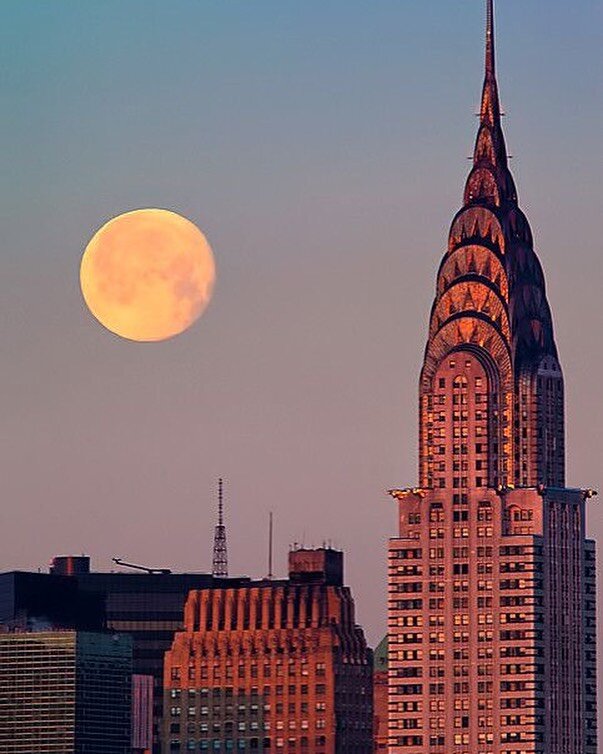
(491, 302)
(491, 585)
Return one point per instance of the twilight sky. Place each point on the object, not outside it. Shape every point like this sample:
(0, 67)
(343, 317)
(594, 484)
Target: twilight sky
(321, 146)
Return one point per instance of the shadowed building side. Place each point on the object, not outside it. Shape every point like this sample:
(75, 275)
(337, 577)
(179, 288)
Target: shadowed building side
(146, 606)
(380, 697)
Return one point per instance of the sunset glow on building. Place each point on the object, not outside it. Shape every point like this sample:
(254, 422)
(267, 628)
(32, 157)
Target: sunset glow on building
(491, 579)
(272, 666)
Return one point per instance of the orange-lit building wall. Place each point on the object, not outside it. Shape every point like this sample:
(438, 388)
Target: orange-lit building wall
(491, 623)
(491, 600)
(278, 665)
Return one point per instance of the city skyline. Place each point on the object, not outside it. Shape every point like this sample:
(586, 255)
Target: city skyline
(332, 214)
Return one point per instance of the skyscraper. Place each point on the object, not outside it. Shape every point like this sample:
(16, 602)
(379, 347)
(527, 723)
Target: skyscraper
(491, 579)
(65, 692)
(271, 666)
(147, 606)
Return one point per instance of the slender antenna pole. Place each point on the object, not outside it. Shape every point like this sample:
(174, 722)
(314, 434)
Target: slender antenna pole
(220, 502)
(270, 539)
(490, 57)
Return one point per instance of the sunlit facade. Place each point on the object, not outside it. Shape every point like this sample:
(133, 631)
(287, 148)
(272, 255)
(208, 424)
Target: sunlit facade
(491, 579)
(275, 666)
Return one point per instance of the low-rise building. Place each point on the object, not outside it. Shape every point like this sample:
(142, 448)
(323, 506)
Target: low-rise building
(272, 666)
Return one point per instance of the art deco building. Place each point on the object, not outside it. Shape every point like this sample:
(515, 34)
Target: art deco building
(275, 666)
(491, 580)
(65, 692)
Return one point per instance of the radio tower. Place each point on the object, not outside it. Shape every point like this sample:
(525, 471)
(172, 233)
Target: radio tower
(220, 564)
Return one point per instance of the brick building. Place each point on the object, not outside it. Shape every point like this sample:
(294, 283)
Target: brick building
(271, 666)
(491, 579)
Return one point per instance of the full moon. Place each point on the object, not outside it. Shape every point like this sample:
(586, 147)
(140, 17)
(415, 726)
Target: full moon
(147, 275)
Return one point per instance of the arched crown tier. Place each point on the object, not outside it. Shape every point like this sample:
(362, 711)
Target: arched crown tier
(474, 224)
(470, 296)
(465, 330)
(491, 301)
(473, 260)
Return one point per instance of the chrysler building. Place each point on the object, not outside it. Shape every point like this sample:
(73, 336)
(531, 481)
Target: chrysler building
(491, 579)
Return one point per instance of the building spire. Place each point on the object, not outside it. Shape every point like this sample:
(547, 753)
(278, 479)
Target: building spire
(490, 180)
(491, 301)
(220, 561)
(490, 109)
(490, 51)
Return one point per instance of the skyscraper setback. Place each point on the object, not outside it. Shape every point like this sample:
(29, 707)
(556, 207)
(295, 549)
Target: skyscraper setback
(491, 579)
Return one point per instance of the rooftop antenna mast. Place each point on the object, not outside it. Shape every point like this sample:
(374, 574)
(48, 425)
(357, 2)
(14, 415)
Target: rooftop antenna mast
(270, 544)
(220, 562)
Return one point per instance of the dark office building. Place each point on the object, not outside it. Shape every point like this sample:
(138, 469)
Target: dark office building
(32, 601)
(147, 606)
(65, 692)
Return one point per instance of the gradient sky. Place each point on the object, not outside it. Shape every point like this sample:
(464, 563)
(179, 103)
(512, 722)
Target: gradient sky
(321, 146)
